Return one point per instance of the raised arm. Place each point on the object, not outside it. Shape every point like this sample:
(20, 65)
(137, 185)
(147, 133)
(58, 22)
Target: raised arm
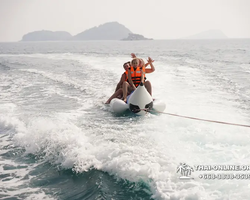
(152, 68)
(133, 55)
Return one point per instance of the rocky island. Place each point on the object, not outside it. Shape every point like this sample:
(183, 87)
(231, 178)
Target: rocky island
(107, 31)
(47, 36)
(133, 36)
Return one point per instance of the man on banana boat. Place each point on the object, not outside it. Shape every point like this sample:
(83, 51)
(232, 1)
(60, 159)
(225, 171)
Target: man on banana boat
(136, 70)
(118, 90)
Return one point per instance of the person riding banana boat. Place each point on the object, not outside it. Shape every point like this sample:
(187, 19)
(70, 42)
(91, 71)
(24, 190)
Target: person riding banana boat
(136, 70)
(136, 75)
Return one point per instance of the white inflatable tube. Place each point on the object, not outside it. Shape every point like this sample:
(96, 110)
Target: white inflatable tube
(159, 106)
(140, 102)
(118, 106)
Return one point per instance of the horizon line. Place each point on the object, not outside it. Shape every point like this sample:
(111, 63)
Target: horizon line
(122, 40)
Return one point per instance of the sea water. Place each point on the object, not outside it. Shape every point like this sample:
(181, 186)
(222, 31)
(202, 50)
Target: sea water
(58, 140)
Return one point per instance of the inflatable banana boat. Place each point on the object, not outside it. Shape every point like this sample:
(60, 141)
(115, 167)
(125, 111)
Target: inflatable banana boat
(140, 102)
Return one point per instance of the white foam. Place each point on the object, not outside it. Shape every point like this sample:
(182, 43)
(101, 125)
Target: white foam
(147, 149)
(40, 195)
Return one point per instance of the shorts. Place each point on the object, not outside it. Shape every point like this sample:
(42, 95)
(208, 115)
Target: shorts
(129, 96)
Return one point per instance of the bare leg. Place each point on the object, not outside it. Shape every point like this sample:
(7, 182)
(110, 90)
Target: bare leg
(148, 87)
(115, 95)
(125, 90)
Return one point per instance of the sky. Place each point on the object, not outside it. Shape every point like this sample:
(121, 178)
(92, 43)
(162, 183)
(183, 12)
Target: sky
(157, 19)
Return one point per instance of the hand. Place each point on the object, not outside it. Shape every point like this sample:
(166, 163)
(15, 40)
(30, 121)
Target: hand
(150, 60)
(133, 55)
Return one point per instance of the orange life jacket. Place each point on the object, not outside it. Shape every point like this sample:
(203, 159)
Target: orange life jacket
(136, 75)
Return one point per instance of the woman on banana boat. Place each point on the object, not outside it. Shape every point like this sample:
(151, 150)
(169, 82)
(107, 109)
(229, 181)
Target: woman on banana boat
(134, 74)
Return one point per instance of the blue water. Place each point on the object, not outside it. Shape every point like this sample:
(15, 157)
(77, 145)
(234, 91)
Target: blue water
(58, 140)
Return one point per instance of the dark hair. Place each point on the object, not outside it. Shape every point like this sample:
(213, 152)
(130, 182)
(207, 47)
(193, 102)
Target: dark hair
(126, 63)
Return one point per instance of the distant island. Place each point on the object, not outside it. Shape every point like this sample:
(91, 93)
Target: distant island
(210, 34)
(133, 36)
(47, 36)
(107, 31)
